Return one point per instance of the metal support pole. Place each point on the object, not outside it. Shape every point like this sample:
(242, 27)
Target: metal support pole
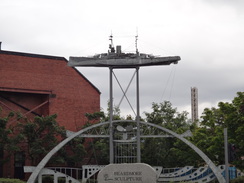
(226, 156)
(138, 117)
(111, 145)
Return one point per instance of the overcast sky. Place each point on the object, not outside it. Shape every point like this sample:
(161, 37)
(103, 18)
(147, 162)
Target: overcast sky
(208, 35)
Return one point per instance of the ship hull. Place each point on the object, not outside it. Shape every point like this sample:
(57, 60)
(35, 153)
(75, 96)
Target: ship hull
(121, 62)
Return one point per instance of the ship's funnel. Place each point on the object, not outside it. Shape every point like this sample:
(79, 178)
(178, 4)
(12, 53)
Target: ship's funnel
(118, 49)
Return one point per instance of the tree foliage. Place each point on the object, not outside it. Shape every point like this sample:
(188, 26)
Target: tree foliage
(98, 149)
(209, 136)
(116, 113)
(74, 152)
(36, 137)
(165, 115)
(167, 152)
(8, 141)
(40, 136)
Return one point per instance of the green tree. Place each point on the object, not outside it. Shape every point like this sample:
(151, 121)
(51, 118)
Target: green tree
(39, 131)
(74, 152)
(98, 149)
(8, 141)
(210, 141)
(95, 117)
(165, 115)
(167, 152)
(228, 115)
(116, 113)
(40, 136)
(36, 137)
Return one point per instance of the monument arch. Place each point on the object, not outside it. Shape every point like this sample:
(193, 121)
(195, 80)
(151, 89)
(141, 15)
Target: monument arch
(94, 133)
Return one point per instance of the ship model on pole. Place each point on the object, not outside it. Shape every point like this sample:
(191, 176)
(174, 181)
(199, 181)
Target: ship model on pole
(117, 59)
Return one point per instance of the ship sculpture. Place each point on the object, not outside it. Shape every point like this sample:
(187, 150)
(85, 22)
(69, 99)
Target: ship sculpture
(117, 59)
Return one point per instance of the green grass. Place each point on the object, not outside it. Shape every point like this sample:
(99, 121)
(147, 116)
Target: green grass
(238, 180)
(6, 180)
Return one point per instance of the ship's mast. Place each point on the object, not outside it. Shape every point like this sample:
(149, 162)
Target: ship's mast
(137, 52)
(111, 45)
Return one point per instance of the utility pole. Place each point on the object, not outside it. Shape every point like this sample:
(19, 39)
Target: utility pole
(194, 104)
(226, 156)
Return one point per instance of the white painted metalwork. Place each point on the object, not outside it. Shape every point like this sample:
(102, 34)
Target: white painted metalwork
(89, 172)
(55, 173)
(144, 130)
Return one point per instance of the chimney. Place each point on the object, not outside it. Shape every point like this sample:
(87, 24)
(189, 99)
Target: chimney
(118, 49)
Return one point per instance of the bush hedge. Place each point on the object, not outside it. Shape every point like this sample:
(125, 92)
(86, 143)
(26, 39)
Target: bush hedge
(6, 180)
(238, 180)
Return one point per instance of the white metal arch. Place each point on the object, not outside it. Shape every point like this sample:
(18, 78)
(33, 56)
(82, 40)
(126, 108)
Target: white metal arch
(44, 161)
(215, 170)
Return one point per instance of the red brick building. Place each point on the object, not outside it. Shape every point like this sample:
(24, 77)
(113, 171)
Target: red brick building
(43, 85)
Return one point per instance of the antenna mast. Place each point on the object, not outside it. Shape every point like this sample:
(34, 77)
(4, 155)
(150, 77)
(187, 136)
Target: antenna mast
(137, 52)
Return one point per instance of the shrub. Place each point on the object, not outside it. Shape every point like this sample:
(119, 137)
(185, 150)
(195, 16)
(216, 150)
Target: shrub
(6, 180)
(238, 180)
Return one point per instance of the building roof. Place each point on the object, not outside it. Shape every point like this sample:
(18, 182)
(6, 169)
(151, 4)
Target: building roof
(45, 57)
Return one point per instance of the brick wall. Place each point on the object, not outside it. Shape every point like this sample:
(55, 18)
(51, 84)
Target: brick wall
(73, 95)
(45, 85)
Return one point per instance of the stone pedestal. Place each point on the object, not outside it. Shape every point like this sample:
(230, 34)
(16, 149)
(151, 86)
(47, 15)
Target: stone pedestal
(127, 173)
